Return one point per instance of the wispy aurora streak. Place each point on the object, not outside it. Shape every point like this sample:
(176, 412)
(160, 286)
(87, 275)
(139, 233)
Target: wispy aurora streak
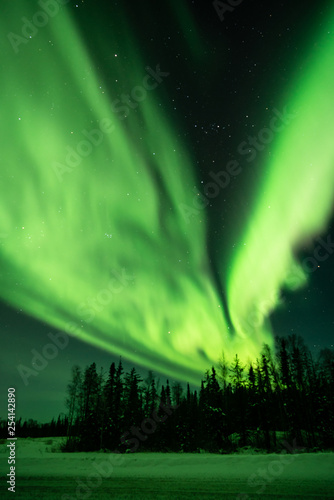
(120, 208)
(293, 202)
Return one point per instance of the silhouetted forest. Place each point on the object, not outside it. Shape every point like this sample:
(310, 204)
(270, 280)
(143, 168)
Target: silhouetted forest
(33, 428)
(285, 395)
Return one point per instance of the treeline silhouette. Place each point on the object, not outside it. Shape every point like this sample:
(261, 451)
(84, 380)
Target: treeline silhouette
(32, 428)
(285, 395)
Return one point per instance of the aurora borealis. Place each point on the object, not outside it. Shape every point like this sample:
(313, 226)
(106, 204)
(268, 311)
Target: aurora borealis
(295, 197)
(89, 221)
(99, 242)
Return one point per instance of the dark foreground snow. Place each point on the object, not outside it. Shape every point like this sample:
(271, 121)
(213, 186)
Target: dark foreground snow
(42, 472)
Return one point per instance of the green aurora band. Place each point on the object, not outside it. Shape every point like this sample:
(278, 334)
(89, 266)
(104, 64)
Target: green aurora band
(294, 200)
(98, 246)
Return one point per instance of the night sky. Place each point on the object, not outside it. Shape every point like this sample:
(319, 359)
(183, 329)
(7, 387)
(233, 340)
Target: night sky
(208, 231)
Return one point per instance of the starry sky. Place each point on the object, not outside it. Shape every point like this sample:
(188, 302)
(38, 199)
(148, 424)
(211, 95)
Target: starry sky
(137, 214)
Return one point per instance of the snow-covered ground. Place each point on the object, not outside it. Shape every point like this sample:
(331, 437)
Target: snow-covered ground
(42, 472)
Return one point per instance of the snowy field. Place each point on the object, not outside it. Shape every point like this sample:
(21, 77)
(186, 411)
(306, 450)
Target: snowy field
(42, 472)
